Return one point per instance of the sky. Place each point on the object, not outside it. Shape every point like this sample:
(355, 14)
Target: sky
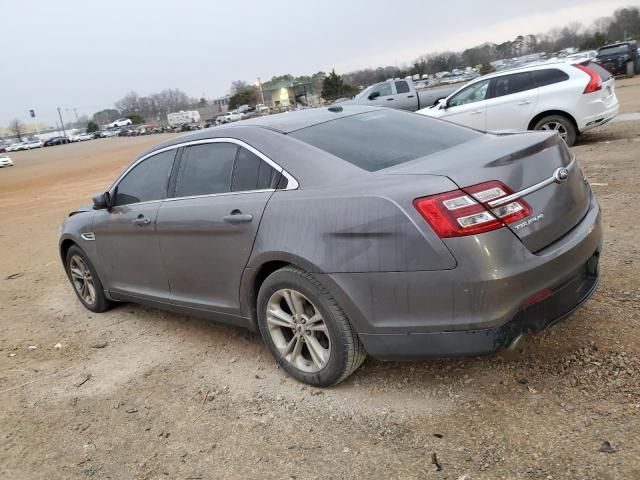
(86, 55)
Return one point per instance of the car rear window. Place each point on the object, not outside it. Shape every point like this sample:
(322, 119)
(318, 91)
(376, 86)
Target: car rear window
(384, 138)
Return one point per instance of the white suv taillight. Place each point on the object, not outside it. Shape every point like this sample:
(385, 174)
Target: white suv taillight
(466, 211)
(595, 82)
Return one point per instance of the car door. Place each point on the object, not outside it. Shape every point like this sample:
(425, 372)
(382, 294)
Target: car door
(125, 234)
(208, 228)
(405, 98)
(468, 106)
(512, 99)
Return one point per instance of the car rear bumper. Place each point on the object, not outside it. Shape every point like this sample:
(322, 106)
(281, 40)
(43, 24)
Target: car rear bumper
(481, 305)
(597, 113)
(566, 298)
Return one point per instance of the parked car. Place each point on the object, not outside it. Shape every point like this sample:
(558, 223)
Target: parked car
(56, 141)
(121, 122)
(5, 161)
(399, 94)
(85, 136)
(342, 231)
(31, 144)
(565, 97)
(16, 147)
(620, 58)
(3, 147)
(232, 116)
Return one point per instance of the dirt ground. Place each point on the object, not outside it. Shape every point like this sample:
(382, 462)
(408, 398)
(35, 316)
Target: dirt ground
(143, 394)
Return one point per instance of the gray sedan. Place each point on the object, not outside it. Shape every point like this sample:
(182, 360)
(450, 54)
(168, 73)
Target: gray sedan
(342, 231)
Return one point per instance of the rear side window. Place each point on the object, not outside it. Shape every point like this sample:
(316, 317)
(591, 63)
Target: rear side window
(510, 84)
(384, 138)
(206, 169)
(402, 87)
(548, 76)
(252, 173)
(147, 181)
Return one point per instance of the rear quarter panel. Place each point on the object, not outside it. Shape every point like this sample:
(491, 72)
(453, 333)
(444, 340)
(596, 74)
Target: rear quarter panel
(364, 228)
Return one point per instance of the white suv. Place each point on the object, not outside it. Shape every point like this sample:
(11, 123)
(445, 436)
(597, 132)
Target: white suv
(570, 98)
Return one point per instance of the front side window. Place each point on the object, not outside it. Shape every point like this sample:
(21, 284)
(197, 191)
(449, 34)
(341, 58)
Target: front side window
(473, 93)
(252, 173)
(147, 181)
(206, 169)
(384, 89)
(402, 87)
(510, 84)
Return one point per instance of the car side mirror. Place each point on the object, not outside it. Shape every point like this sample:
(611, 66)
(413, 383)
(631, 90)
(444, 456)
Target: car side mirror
(373, 95)
(102, 201)
(442, 104)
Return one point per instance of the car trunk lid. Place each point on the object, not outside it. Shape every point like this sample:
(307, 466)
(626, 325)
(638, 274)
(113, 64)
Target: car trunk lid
(526, 163)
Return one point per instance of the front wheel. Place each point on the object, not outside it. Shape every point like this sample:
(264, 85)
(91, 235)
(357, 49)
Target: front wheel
(306, 330)
(560, 124)
(85, 281)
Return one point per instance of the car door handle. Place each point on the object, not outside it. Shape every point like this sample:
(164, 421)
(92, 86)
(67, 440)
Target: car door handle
(524, 102)
(238, 217)
(389, 99)
(410, 96)
(476, 112)
(141, 221)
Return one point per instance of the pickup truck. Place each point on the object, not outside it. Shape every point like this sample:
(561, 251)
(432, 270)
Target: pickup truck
(401, 95)
(622, 58)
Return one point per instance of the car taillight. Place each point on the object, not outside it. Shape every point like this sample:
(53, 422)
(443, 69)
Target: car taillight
(595, 82)
(467, 211)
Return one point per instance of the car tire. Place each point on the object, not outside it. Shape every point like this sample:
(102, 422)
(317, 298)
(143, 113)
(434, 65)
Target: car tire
(564, 126)
(630, 69)
(297, 314)
(81, 272)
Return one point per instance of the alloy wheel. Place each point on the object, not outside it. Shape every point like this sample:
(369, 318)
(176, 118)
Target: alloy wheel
(82, 280)
(298, 330)
(557, 127)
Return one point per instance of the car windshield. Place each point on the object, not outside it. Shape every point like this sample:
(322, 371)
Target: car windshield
(384, 138)
(614, 50)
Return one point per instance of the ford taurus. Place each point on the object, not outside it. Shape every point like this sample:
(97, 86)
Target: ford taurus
(345, 231)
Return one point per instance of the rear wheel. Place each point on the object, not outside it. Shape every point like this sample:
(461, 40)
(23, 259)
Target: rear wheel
(560, 124)
(306, 330)
(85, 281)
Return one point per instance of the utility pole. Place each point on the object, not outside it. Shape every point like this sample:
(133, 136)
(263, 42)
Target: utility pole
(64, 133)
(261, 92)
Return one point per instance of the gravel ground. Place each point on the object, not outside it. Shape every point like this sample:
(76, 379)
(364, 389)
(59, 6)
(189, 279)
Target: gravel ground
(140, 393)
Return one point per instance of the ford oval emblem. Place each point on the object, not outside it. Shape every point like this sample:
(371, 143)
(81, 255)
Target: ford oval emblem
(561, 175)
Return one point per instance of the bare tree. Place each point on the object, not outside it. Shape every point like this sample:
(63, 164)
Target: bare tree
(17, 127)
(128, 104)
(238, 86)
